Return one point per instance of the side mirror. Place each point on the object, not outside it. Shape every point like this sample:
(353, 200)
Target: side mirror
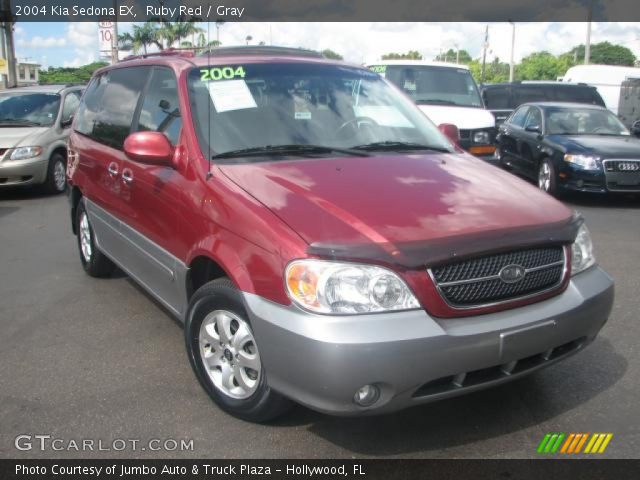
(450, 131)
(635, 128)
(533, 129)
(152, 148)
(66, 123)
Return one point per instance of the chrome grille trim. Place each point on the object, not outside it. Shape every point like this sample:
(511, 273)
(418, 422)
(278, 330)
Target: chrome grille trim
(488, 304)
(610, 168)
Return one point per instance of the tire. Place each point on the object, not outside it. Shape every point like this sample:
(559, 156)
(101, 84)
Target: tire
(243, 392)
(56, 181)
(547, 179)
(501, 160)
(94, 262)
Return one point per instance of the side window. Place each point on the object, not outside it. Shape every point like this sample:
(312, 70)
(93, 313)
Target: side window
(109, 105)
(497, 98)
(160, 108)
(526, 94)
(534, 118)
(70, 105)
(519, 116)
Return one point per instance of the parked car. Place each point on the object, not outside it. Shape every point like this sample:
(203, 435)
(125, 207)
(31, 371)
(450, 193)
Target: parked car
(319, 237)
(447, 94)
(607, 79)
(568, 146)
(34, 126)
(503, 98)
(629, 104)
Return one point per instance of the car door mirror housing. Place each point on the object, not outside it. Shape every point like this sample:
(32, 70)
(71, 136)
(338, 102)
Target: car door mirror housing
(152, 148)
(66, 122)
(450, 131)
(533, 129)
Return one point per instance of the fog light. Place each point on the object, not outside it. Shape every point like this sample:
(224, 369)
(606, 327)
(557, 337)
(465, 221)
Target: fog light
(367, 395)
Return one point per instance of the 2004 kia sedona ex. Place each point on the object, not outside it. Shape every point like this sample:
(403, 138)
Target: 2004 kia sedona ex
(322, 241)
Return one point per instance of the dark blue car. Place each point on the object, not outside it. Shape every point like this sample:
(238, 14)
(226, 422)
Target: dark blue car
(569, 146)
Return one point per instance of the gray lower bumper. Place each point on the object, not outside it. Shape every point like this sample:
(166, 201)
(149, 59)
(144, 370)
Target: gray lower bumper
(320, 361)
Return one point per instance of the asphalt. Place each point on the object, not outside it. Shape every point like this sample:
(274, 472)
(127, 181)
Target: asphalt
(82, 358)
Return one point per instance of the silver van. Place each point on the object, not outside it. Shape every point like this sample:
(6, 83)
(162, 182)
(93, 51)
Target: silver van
(34, 126)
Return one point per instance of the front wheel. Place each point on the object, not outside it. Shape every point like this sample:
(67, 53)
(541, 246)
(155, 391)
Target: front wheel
(94, 262)
(224, 354)
(56, 181)
(547, 177)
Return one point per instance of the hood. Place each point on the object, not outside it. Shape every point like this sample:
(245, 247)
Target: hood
(20, 136)
(400, 202)
(466, 118)
(624, 146)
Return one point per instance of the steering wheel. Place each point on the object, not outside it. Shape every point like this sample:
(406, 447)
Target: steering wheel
(600, 130)
(357, 121)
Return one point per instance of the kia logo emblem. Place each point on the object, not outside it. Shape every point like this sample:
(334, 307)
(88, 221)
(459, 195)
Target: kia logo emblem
(512, 273)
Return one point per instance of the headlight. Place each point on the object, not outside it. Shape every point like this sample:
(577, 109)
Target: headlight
(587, 162)
(346, 288)
(21, 153)
(582, 256)
(481, 137)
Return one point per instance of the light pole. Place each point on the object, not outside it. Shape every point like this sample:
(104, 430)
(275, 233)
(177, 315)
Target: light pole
(587, 46)
(513, 46)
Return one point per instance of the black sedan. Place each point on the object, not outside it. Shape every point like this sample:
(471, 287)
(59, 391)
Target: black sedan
(568, 146)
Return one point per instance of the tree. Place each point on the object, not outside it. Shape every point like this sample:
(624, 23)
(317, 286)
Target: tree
(140, 37)
(63, 75)
(540, 66)
(327, 53)
(451, 55)
(201, 43)
(604, 53)
(410, 55)
(172, 32)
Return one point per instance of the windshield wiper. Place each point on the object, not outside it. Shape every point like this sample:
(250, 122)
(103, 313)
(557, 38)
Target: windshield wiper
(20, 121)
(399, 146)
(287, 149)
(436, 101)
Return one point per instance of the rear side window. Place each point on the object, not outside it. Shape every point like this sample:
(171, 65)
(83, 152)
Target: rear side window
(497, 98)
(519, 116)
(108, 107)
(160, 110)
(71, 102)
(578, 94)
(524, 94)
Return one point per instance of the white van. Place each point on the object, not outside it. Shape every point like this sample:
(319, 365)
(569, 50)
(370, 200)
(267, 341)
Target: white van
(446, 93)
(606, 78)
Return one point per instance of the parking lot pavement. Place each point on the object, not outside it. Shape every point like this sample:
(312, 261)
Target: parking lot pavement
(82, 358)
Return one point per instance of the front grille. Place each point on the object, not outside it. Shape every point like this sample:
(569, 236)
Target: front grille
(622, 174)
(477, 282)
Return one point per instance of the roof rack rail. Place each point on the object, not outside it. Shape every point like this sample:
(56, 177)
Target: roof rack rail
(260, 50)
(168, 52)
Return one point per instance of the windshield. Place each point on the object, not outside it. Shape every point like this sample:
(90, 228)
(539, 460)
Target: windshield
(434, 85)
(30, 109)
(583, 121)
(239, 107)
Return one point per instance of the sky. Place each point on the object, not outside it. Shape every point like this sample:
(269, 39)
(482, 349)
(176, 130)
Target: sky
(73, 44)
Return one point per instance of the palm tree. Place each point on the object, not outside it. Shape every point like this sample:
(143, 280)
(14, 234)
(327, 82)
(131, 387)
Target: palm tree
(201, 43)
(172, 32)
(140, 38)
(248, 39)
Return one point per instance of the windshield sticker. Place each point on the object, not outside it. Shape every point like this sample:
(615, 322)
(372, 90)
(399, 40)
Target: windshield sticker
(302, 110)
(384, 115)
(378, 68)
(303, 115)
(231, 95)
(221, 73)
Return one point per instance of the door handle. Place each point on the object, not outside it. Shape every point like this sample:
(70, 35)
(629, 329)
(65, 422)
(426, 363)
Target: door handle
(113, 169)
(127, 176)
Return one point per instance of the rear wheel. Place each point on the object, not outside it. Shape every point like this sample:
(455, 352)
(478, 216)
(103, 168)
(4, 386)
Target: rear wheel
(547, 177)
(224, 354)
(94, 262)
(56, 181)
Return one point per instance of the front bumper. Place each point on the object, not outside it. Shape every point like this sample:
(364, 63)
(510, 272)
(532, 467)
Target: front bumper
(599, 181)
(320, 361)
(30, 171)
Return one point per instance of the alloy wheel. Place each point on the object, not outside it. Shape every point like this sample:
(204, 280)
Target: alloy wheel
(85, 237)
(59, 175)
(229, 354)
(544, 177)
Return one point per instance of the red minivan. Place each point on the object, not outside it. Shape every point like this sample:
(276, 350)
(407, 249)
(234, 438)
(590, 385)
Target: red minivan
(319, 237)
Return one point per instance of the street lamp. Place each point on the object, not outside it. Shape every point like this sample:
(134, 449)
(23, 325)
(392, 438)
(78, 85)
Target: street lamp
(513, 46)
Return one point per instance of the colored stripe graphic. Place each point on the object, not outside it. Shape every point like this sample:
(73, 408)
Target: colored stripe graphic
(573, 443)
